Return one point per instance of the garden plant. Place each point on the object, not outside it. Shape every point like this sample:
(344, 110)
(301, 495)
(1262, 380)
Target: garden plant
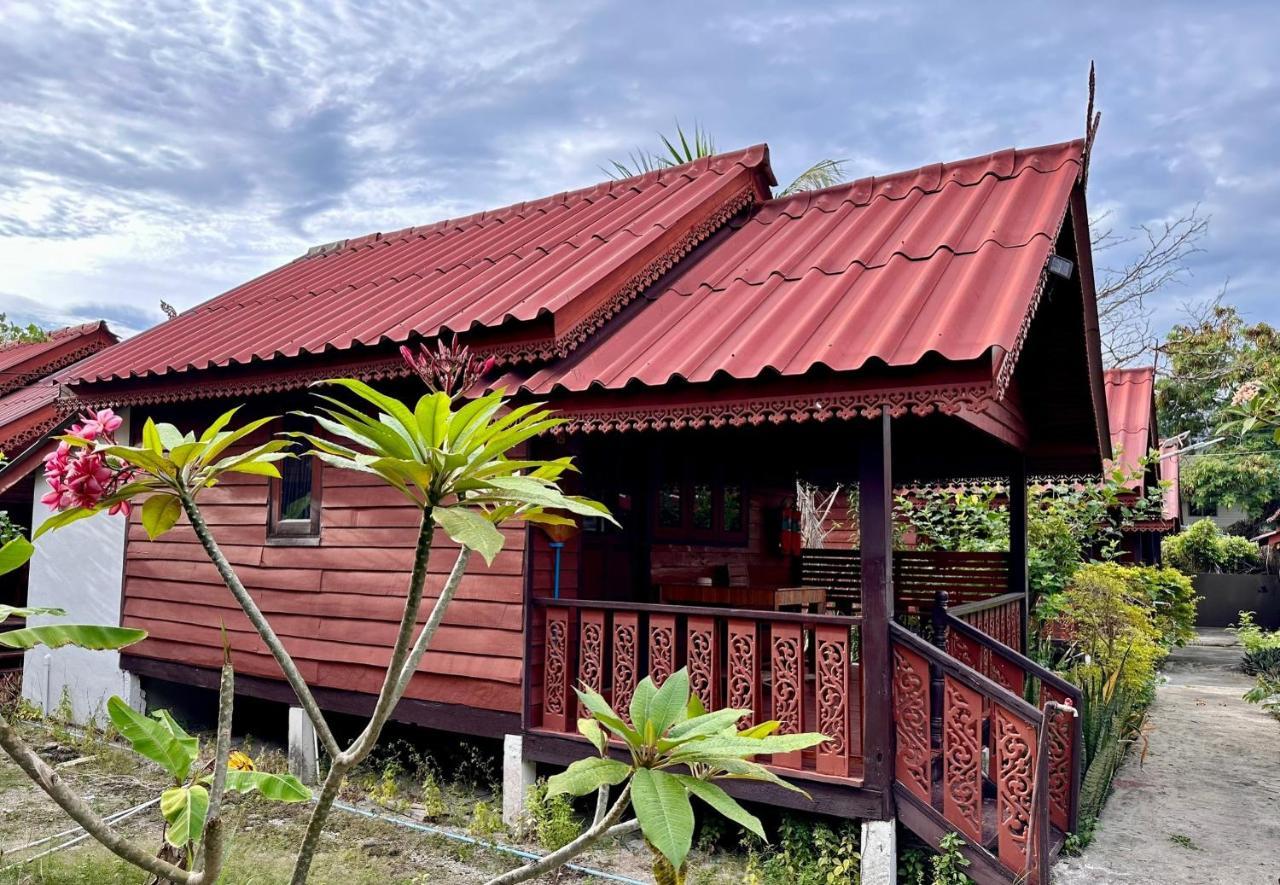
(456, 460)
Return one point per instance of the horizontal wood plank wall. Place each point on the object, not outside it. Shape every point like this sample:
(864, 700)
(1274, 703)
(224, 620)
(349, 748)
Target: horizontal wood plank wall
(336, 606)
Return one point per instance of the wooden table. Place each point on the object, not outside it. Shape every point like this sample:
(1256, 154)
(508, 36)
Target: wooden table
(813, 599)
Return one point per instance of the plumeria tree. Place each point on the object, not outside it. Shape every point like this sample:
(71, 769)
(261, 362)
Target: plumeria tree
(453, 459)
(457, 461)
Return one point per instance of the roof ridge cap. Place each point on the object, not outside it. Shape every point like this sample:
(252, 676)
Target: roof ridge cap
(761, 158)
(1018, 153)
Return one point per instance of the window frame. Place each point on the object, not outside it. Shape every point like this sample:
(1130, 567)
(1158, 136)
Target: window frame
(686, 532)
(295, 532)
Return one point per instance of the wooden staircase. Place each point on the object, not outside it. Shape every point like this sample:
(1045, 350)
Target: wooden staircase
(973, 755)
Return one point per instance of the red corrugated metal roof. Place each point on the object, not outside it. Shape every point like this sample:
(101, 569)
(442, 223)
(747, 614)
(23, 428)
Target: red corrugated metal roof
(1130, 408)
(17, 355)
(514, 264)
(945, 259)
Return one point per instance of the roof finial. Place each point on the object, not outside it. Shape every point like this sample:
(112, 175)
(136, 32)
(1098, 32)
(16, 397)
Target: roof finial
(1091, 120)
(168, 309)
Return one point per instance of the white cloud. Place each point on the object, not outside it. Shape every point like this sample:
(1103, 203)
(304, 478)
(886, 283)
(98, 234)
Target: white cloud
(164, 149)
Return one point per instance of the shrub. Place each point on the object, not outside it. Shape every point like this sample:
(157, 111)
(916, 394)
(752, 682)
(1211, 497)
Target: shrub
(553, 822)
(808, 853)
(1172, 598)
(1205, 548)
(1261, 647)
(1112, 625)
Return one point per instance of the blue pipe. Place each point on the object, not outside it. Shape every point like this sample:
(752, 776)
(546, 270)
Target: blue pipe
(557, 546)
(496, 846)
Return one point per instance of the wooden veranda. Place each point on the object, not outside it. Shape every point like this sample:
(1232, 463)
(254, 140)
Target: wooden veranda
(913, 666)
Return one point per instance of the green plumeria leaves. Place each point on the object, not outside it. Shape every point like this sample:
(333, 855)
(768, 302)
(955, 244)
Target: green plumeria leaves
(15, 554)
(152, 739)
(723, 803)
(591, 730)
(470, 529)
(93, 637)
(277, 787)
(160, 513)
(63, 518)
(10, 611)
(605, 715)
(662, 807)
(185, 808)
(588, 775)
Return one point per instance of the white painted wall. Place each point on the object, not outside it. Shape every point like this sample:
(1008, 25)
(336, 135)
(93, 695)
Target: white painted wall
(1223, 516)
(79, 568)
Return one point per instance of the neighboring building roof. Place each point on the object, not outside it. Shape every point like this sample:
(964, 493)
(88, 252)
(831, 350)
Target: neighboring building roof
(570, 261)
(1131, 412)
(21, 363)
(28, 412)
(942, 260)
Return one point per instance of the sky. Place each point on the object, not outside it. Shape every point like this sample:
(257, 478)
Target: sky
(168, 151)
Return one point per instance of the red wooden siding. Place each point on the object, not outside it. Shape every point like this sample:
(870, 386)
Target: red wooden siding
(336, 606)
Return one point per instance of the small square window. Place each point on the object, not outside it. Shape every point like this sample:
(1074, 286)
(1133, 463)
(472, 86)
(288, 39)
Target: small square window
(294, 498)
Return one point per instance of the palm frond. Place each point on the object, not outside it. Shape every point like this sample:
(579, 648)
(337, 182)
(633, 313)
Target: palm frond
(678, 152)
(823, 173)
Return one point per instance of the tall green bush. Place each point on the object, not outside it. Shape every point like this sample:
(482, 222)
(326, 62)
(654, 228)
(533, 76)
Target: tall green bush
(1206, 548)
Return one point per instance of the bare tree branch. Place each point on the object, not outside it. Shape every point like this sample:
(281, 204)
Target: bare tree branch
(1125, 291)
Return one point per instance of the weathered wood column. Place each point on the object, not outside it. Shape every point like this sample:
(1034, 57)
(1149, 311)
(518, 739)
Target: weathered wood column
(1018, 582)
(875, 528)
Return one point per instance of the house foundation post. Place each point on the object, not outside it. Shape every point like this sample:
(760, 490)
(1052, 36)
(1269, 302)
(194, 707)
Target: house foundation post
(879, 852)
(518, 775)
(304, 748)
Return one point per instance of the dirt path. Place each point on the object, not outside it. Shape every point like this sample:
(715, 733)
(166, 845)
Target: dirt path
(1204, 807)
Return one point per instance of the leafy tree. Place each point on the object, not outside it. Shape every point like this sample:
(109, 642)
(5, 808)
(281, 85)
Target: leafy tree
(680, 150)
(1211, 357)
(15, 333)
(1204, 548)
(1247, 480)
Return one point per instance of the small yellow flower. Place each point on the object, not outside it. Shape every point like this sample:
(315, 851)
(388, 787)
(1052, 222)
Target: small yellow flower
(238, 761)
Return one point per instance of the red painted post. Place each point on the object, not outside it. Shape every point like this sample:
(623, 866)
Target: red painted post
(1062, 733)
(703, 654)
(834, 686)
(786, 643)
(557, 679)
(662, 647)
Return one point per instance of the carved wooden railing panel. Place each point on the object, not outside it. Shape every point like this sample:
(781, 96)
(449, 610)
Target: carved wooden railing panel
(967, 643)
(939, 764)
(796, 668)
(1000, 617)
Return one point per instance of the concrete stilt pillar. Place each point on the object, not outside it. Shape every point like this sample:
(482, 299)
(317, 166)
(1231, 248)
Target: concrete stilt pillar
(879, 852)
(304, 749)
(518, 776)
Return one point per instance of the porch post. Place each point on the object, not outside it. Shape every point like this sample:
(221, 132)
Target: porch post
(1018, 582)
(875, 526)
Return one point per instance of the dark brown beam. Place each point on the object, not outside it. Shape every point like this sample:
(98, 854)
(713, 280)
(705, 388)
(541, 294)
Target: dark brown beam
(455, 718)
(875, 527)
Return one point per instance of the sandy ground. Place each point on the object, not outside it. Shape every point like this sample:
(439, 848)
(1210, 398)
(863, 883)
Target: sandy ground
(1204, 806)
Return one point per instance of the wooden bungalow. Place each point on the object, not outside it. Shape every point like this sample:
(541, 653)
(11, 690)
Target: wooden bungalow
(709, 344)
(1135, 435)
